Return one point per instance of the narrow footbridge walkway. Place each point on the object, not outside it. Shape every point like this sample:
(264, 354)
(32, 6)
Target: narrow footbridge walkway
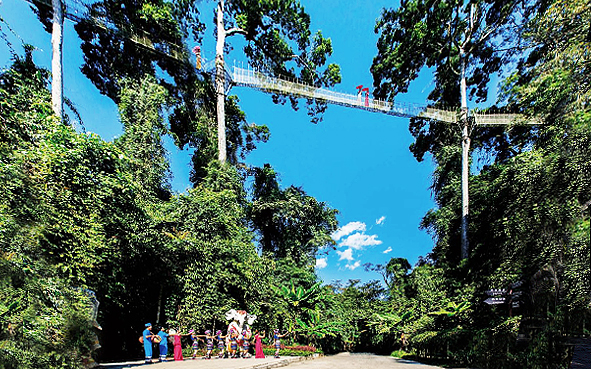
(256, 79)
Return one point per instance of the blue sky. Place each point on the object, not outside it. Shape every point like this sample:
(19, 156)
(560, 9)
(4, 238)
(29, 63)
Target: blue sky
(355, 161)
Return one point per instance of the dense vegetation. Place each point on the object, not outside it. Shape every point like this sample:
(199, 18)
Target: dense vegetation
(79, 213)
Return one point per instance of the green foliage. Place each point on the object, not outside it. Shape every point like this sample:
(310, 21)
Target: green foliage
(212, 252)
(276, 30)
(77, 212)
(103, 48)
(82, 212)
(94, 213)
(399, 354)
(394, 274)
(23, 85)
(290, 223)
(141, 105)
(316, 328)
(43, 323)
(452, 309)
(302, 307)
(388, 324)
(352, 307)
(442, 34)
(299, 297)
(529, 206)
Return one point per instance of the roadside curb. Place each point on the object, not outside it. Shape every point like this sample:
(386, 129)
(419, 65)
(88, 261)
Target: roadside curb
(198, 364)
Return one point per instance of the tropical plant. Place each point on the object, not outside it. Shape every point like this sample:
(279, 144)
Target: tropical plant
(452, 309)
(299, 301)
(316, 327)
(388, 325)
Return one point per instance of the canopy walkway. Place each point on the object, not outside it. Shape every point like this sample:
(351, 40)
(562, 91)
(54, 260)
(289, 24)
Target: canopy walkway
(77, 10)
(255, 79)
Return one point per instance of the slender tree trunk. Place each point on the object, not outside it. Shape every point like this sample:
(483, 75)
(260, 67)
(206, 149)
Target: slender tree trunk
(465, 157)
(159, 304)
(220, 83)
(57, 38)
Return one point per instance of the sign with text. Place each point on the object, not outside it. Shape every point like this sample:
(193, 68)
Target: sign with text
(496, 292)
(495, 300)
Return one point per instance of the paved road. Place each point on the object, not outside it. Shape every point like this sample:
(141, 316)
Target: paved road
(340, 361)
(359, 361)
(215, 363)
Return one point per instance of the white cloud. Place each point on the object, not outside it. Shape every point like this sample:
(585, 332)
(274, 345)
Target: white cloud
(348, 229)
(346, 255)
(358, 240)
(387, 250)
(381, 220)
(321, 263)
(353, 266)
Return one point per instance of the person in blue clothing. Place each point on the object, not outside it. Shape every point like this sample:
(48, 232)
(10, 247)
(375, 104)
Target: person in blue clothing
(233, 344)
(195, 338)
(147, 335)
(163, 346)
(277, 338)
(221, 343)
(208, 342)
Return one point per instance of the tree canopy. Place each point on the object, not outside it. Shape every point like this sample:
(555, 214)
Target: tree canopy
(81, 217)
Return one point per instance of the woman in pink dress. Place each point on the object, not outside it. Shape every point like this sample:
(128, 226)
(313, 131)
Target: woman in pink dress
(178, 348)
(258, 346)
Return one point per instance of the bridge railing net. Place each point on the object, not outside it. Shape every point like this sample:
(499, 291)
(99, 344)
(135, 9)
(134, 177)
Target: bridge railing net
(253, 78)
(494, 119)
(78, 10)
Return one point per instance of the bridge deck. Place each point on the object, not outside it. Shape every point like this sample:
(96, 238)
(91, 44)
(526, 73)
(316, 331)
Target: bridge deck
(261, 81)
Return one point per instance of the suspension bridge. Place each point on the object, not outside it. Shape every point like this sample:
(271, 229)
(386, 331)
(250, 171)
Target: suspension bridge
(253, 78)
(77, 10)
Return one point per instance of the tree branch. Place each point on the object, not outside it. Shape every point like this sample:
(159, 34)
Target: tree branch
(494, 27)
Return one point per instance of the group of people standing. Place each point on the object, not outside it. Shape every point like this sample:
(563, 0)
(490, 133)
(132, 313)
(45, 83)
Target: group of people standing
(148, 339)
(236, 345)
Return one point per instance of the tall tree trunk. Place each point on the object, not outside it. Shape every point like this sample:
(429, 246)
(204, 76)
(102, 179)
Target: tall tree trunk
(159, 304)
(220, 83)
(465, 157)
(57, 38)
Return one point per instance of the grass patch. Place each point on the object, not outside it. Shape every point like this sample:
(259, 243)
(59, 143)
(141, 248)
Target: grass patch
(400, 354)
